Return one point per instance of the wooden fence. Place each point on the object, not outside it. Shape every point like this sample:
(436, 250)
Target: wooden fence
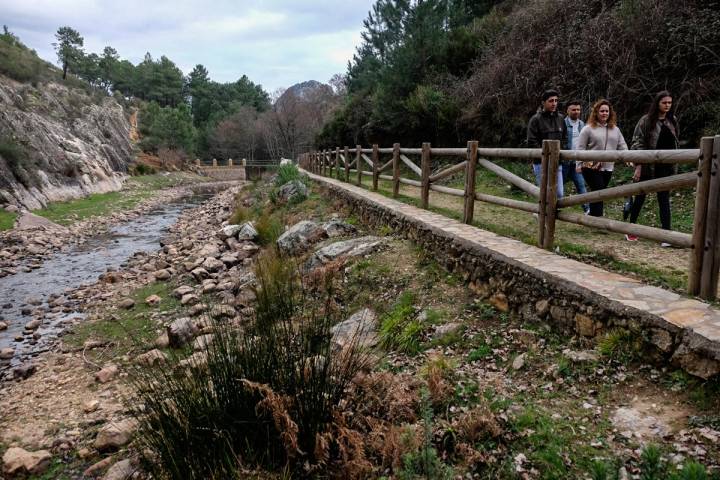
(704, 239)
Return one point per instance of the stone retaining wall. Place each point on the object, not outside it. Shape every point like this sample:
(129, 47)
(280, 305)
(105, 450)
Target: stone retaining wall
(224, 173)
(534, 295)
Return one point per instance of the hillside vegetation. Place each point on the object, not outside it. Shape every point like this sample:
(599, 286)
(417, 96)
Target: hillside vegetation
(447, 71)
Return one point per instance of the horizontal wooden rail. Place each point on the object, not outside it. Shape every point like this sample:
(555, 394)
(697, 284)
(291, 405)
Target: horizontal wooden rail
(524, 153)
(449, 152)
(410, 164)
(678, 239)
(632, 156)
(385, 150)
(663, 184)
(448, 190)
(460, 167)
(414, 183)
(508, 202)
(411, 151)
(521, 183)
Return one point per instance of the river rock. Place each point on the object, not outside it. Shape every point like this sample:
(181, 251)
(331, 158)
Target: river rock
(519, 362)
(581, 356)
(12, 208)
(91, 406)
(300, 237)
(182, 291)
(247, 232)
(292, 191)
(33, 324)
(222, 311)
(348, 248)
(24, 371)
(338, 228)
(180, 332)
(212, 264)
(126, 303)
(18, 461)
(7, 353)
(230, 259)
(196, 309)
(360, 327)
(200, 273)
(229, 231)
(106, 374)
(162, 341)
(3, 326)
(163, 274)
(153, 300)
(203, 341)
(151, 358)
(209, 250)
(115, 434)
(189, 299)
(122, 470)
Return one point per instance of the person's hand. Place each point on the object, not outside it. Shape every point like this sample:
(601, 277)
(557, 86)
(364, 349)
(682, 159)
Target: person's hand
(637, 172)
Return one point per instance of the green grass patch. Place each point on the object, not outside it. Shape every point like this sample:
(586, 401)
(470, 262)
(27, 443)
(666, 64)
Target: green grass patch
(7, 220)
(127, 329)
(399, 329)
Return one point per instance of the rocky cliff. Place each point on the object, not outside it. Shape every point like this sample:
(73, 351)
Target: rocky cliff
(58, 143)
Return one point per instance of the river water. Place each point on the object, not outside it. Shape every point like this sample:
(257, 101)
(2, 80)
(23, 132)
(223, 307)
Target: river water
(27, 296)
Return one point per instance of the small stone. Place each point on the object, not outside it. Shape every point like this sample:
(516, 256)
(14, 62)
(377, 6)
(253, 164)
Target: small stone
(24, 371)
(84, 453)
(212, 264)
(7, 353)
(519, 362)
(222, 311)
(247, 232)
(203, 341)
(196, 309)
(182, 291)
(189, 299)
(200, 273)
(151, 358)
(542, 307)
(115, 434)
(584, 325)
(3, 326)
(499, 301)
(20, 461)
(180, 332)
(33, 324)
(122, 470)
(91, 406)
(162, 341)
(442, 330)
(96, 468)
(126, 303)
(581, 356)
(106, 374)
(153, 300)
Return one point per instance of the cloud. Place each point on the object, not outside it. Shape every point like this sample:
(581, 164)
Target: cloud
(275, 43)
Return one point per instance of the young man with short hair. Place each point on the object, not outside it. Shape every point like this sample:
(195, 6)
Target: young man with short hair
(547, 124)
(573, 170)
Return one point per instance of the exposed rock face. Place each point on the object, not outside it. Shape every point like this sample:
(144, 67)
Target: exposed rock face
(349, 248)
(19, 461)
(360, 329)
(300, 236)
(292, 190)
(71, 146)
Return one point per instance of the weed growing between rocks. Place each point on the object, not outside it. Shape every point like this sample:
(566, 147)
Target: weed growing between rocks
(265, 394)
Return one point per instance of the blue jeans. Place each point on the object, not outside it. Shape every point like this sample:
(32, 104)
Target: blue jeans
(560, 190)
(569, 173)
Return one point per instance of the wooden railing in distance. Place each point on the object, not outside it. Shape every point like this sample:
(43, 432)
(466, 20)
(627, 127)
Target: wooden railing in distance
(704, 239)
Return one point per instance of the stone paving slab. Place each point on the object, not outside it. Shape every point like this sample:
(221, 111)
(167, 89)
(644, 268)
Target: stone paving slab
(683, 313)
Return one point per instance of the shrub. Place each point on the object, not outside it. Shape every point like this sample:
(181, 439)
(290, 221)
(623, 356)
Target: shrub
(17, 159)
(240, 215)
(142, 169)
(269, 229)
(399, 328)
(265, 395)
(621, 345)
(287, 173)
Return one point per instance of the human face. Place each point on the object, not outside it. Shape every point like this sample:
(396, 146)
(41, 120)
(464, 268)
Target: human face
(604, 113)
(573, 112)
(665, 105)
(551, 104)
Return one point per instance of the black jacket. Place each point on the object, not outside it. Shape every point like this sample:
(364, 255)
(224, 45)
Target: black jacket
(546, 126)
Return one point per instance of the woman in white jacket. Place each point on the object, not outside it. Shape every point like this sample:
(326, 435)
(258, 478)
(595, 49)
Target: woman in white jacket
(600, 133)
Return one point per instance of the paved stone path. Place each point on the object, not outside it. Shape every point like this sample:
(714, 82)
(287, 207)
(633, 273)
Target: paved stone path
(683, 312)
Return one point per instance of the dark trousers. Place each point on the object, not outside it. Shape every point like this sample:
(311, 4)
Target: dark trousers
(596, 180)
(648, 172)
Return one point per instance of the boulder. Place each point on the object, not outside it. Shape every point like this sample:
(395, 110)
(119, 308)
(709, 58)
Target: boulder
(181, 291)
(360, 327)
(189, 299)
(338, 228)
(180, 332)
(292, 191)
(163, 274)
(212, 264)
(300, 237)
(151, 358)
(115, 434)
(247, 232)
(200, 273)
(228, 231)
(348, 248)
(18, 461)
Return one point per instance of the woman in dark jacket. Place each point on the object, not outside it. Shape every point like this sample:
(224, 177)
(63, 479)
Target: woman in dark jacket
(658, 130)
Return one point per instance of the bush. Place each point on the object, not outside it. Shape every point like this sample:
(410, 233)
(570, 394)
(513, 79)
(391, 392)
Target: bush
(399, 328)
(142, 169)
(287, 173)
(17, 159)
(19, 62)
(269, 229)
(266, 395)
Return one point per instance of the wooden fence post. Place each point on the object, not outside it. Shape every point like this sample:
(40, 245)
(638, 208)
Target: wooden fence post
(700, 217)
(425, 176)
(337, 163)
(551, 205)
(358, 163)
(709, 275)
(347, 163)
(396, 169)
(472, 156)
(542, 201)
(375, 166)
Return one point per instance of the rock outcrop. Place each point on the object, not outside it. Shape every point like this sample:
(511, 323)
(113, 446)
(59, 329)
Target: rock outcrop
(60, 143)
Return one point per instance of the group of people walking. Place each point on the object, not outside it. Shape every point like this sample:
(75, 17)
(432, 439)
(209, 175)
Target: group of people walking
(657, 130)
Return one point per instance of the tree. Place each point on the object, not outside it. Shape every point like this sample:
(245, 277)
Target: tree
(68, 48)
(107, 66)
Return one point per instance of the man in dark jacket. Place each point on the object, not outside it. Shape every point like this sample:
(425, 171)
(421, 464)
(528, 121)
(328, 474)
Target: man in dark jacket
(547, 124)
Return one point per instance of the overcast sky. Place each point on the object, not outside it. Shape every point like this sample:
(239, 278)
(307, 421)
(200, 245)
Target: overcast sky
(276, 43)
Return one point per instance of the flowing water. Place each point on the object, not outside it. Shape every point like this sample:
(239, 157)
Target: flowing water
(25, 297)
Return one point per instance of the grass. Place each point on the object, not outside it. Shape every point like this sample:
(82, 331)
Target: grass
(136, 190)
(129, 329)
(7, 220)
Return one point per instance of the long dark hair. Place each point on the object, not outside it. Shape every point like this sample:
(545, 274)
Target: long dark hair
(654, 112)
